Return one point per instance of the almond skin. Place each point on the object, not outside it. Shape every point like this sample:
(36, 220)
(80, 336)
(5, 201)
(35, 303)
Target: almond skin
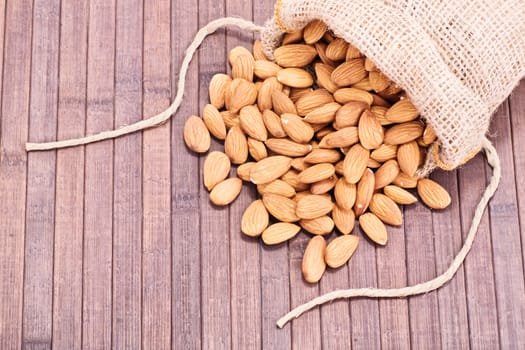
(403, 133)
(345, 194)
(408, 157)
(324, 77)
(344, 219)
(273, 124)
(294, 55)
(386, 174)
(314, 31)
(399, 195)
(370, 131)
(269, 169)
(373, 228)
(216, 169)
(252, 123)
(243, 67)
(236, 145)
(316, 173)
(313, 265)
(364, 193)
(287, 147)
(264, 95)
(341, 138)
(282, 208)
(349, 73)
(295, 77)
(240, 93)
(298, 130)
(384, 153)
(278, 186)
(355, 163)
(217, 89)
(349, 114)
(340, 250)
(282, 103)
(243, 171)
(323, 186)
(313, 206)
(320, 155)
(405, 181)
(226, 191)
(402, 111)
(433, 194)
(323, 114)
(257, 149)
(196, 135)
(386, 209)
(265, 69)
(346, 95)
(319, 226)
(213, 120)
(279, 233)
(311, 100)
(255, 219)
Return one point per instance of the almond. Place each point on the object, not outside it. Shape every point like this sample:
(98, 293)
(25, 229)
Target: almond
(429, 136)
(226, 191)
(323, 114)
(196, 136)
(379, 102)
(299, 164)
(372, 164)
(321, 51)
(349, 114)
(379, 81)
(292, 178)
(432, 194)
(265, 69)
(264, 98)
(386, 173)
(292, 37)
(340, 250)
(364, 193)
(311, 100)
(258, 51)
(363, 85)
(269, 169)
(298, 130)
(236, 145)
(295, 77)
(403, 133)
(341, 138)
(297, 93)
(257, 149)
(349, 72)
(336, 50)
(386, 209)
(380, 112)
(217, 89)
(213, 120)
(324, 131)
(313, 206)
(370, 65)
(294, 55)
(240, 93)
(316, 173)
(373, 228)
(243, 171)
(402, 111)
(345, 194)
(346, 95)
(216, 169)
(323, 73)
(355, 163)
(344, 219)
(319, 226)
(314, 31)
(323, 186)
(282, 208)
(322, 156)
(276, 187)
(236, 52)
(273, 124)
(279, 233)
(370, 131)
(252, 123)
(287, 147)
(313, 265)
(230, 119)
(399, 195)
(384, 153)
(282, 103)
(255, 219)
(352, 52)
(243, 67)
(408, 157)
(405, 181)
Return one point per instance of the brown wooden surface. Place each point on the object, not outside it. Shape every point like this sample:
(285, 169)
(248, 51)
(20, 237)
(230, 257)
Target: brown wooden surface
(116, 245)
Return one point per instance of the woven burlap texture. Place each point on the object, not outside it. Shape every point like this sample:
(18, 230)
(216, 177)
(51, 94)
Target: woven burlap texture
(457, 60)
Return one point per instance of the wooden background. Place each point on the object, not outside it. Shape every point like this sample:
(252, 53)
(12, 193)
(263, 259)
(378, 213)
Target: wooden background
(115, 244)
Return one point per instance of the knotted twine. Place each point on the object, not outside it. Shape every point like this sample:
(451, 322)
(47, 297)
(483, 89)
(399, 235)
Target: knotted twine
(490, 152)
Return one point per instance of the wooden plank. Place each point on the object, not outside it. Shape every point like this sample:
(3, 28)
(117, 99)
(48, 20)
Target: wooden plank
(362, 273)
(421, 267)
(13, 167)
(69, 209)
(479, 270)
(156, 264)
(245, 302)
(2, 41)
(98, 192)
(40, 206)
(391, 273)
(186, 258)
(508, 260)
(448, 241)
(127, 201)
(275, 277)
(215, 230)
(306, 330)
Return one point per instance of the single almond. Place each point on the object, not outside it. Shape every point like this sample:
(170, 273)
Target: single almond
(288, 147)
(243, 67)
(386, 173)
(316, 173)
(311, 100)
(273, 123)
(429, 136)
(336, 50)
(243, 170)
(240, 93)
(379, 102)
(373, 228)
(252, 123)
(236, 145)
(313, 265)
(403, 133)
(265, 69)
(226, 191)
(269, 169)
(384, 153)
(230, 119)
(323, 72)
(196, 135)
(218, 85)
(380, 112)
(213, 120)
(294, 55)
(352, 52)
(323, 186)
(364, 193)
(355, 163)
(433, 194)
(363, 84)
(379, 81)
(257, 149)
(292, 37)
(279, 233)
(255, 219)
(323, 114)
(350, 72)
(405, 181)
(340, 250)
(408, 157)
(281, 207)
(322, 225)
(292, 178)
(297, 129)
(216, 169)
(370, 131)
(295, 77)
(299, 164)
(346, 95)
(341, 138)
(370, 65)
(278, 186)
(236, 52)
(264, 97)
(345, 194)
(399, 195)
(313, 206)
(386, 209)
(373, 164)
(258, 51)
(321, 155)
(320, 47)
(349, 114)
(282, 103)
(402, 111)
(314, 31)
(344, 219)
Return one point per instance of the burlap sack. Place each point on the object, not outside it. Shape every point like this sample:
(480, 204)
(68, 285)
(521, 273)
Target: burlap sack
(457, 60)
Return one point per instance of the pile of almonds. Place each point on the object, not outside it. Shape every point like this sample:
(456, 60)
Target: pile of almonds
(325, 137)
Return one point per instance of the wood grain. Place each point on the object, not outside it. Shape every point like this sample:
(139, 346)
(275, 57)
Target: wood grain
(38, 277)
(13, 167)
(69, 206)
(127, 187)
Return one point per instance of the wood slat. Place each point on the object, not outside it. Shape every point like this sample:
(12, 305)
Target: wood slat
(127, 187)
(69, 207)
(40, 204)
(13, 167)
(98, 190)
(185, 221)
(479, 271)
(156, 263)
(504, 224)
(452, 301)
